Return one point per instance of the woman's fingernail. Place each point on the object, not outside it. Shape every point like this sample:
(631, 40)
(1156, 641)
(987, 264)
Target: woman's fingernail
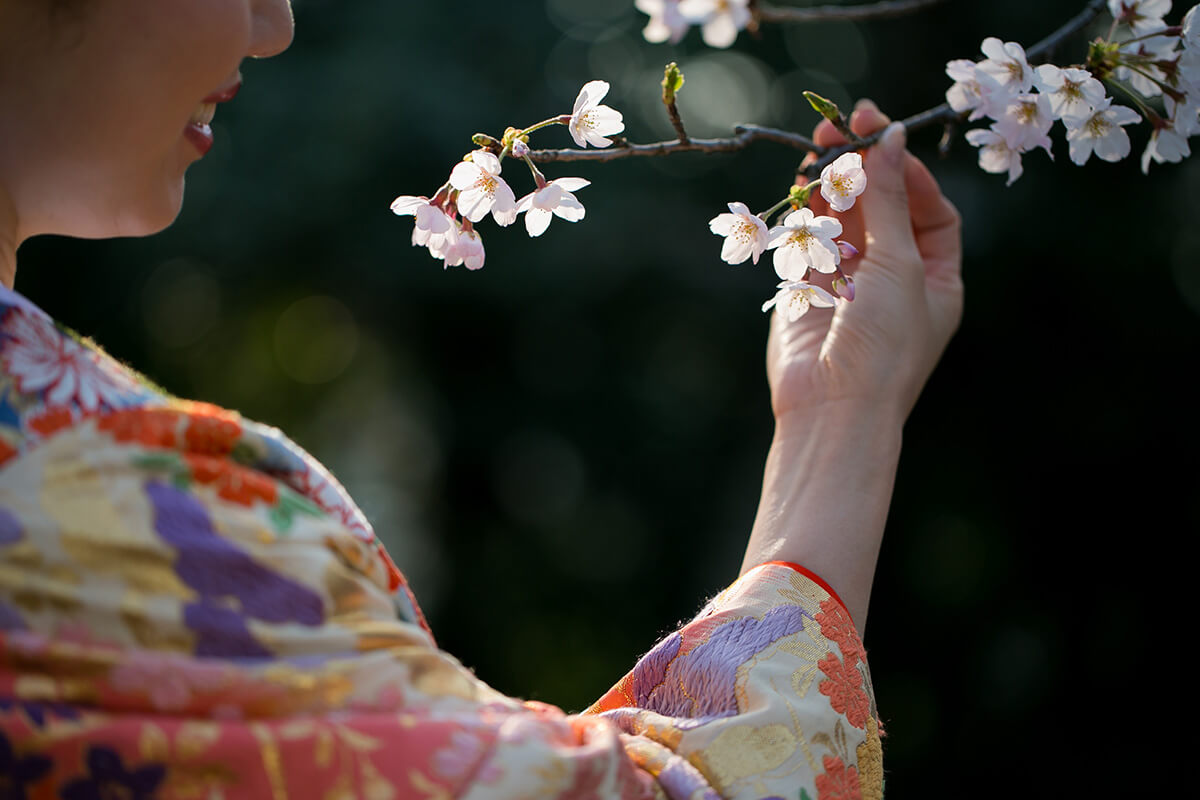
(892, 142)
(866, 104)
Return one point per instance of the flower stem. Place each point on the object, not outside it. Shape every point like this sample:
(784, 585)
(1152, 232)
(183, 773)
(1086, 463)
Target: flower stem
(1146, 111)
(766, 215)
(538, 177)
(546, 123)
(1170, 31)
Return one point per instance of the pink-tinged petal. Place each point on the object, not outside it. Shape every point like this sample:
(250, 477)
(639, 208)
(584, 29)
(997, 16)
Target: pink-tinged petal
(432, 219)
(825, 227)
(571, 184)
(408, 204)
(799, 218)
(824, 256)
(777, 236)
(846, 250)
(537, 220)
(1113, 147)
(741, 209)
(722, 224)
(993, 48)
(961, 69)
(487, 161)
(525, 203)
(720, 31)
(1123, 115)
(819, 298)
(790, 263)
(570, 209)
(463, 175)
(735, 250)
(591, 94)
(474, 204)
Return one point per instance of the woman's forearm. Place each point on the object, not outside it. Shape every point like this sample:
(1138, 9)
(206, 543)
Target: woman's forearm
(826, 491)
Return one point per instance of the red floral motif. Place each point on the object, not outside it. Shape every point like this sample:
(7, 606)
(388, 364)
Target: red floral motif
(7, 451)
(52, 420)
(837, 627)
(844, 690)
(212, 431)
(839, 781)
(234, 483)
(151, 427)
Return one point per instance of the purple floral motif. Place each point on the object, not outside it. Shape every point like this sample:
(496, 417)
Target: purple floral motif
(10, 619)
(37, 712)
(17, 773)
(108, 778)
(218, 572)
(10, 527)
(700, 684)
(680, 779)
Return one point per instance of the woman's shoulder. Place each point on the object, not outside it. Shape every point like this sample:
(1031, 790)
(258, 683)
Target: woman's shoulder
(58, 389)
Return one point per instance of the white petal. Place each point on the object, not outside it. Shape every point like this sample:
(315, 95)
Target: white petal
(722, 224)
(537, 220)
(591, 94)
(463, 175)
(571, 184)
(487, 161)
(407, 204)
(570, 209)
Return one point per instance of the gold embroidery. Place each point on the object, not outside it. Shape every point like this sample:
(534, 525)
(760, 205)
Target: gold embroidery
(742, 751)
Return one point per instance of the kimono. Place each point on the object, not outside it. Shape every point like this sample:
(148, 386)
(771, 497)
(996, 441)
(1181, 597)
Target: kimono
(191, 607)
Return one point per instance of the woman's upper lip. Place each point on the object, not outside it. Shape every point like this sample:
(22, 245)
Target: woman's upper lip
(225, 94)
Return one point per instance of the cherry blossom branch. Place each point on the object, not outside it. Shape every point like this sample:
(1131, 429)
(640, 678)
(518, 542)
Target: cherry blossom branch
(747, 134)
(744, 136)
(880, 10)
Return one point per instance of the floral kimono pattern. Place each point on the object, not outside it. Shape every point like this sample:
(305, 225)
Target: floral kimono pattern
(192, 607)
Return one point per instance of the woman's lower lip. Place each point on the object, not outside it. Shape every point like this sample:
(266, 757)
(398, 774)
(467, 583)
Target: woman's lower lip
(201, 136)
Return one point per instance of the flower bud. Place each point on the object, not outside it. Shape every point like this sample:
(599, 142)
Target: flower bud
(520, 149)
(843, 285)
(846, 249)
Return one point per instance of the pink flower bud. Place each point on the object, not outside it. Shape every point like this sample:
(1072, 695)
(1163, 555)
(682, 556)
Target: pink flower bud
(520, 149)
(843, 285)
(846, 249)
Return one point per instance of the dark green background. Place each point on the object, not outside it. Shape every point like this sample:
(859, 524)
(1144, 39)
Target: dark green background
(563, 450)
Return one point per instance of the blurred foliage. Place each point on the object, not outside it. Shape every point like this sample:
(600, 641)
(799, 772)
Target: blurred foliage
(563, 450)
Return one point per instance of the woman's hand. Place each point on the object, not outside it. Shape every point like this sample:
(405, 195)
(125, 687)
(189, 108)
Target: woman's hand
(843, 384)
(876, 352)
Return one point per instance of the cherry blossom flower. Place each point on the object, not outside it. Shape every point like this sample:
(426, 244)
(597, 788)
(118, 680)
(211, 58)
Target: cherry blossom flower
(846, 250)
(1007, 65)
(467, 249)
(666, 23)
(973, 89)
(481, 189)
(1143, 16)
(553, 199)
(1100, 132)
(745, 234)
(720, 19)
(794, 298)
(804, 240)
(1191, 28)
(429, 218)
(1185, 117)
(995, 155)
(1070, 90)
(591, 122)
(842, 181)
(62, 371)
(1026, 122)
(1147, 77)
(437, 243)
(1166, 144)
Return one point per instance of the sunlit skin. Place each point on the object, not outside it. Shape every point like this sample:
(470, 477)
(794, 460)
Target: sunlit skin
(96, 99)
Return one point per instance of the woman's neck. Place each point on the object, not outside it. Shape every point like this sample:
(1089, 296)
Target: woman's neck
(8, 239)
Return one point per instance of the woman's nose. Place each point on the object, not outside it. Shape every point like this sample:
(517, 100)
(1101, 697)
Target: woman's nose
(273, 27)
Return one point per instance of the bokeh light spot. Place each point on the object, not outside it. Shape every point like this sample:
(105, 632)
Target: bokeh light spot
(315, 339)
(181, 302)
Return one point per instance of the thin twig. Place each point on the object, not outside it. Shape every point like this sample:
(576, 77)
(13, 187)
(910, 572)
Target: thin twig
(881, 10)
(746, 134)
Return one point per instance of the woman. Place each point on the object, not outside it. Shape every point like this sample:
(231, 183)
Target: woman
(191, 606)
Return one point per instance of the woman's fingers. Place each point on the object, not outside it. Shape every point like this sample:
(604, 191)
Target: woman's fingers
(890, 242)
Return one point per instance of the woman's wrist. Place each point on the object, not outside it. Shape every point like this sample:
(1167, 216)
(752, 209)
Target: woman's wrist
(826, 491)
